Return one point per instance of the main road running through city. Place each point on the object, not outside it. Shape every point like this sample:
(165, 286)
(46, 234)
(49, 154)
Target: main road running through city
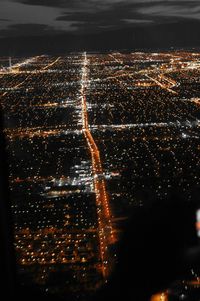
(105, 230)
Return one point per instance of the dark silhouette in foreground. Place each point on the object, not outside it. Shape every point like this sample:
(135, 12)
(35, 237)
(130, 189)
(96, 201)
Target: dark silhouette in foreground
(159, 247)
(7, 253)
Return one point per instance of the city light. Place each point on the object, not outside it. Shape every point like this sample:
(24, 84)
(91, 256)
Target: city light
(91, 137)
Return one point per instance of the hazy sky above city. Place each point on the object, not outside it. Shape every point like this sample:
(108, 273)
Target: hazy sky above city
(26, 18)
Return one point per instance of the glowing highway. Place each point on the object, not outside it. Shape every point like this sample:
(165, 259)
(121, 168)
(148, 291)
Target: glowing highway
(105, 231)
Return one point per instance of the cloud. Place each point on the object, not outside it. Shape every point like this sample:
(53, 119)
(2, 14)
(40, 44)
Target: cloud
(137, 21)
(69, 4)
(186, 10)
(94, 16)
(28, 29)
(51, 3)
(4, 20)
(118, 15)
(17, 13)
(96, 3)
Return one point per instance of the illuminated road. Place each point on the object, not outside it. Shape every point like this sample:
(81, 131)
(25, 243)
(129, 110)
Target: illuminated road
(160, 297)
(115, 59)
(105, 231)
(51, 64)
(12, 70)
(162, 85)
(17, 86)
(26, 62)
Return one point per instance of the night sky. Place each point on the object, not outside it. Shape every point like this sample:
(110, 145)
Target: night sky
(58, 26)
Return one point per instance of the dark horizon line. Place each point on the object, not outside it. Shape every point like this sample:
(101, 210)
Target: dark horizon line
(121, 50)
(164, 37)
